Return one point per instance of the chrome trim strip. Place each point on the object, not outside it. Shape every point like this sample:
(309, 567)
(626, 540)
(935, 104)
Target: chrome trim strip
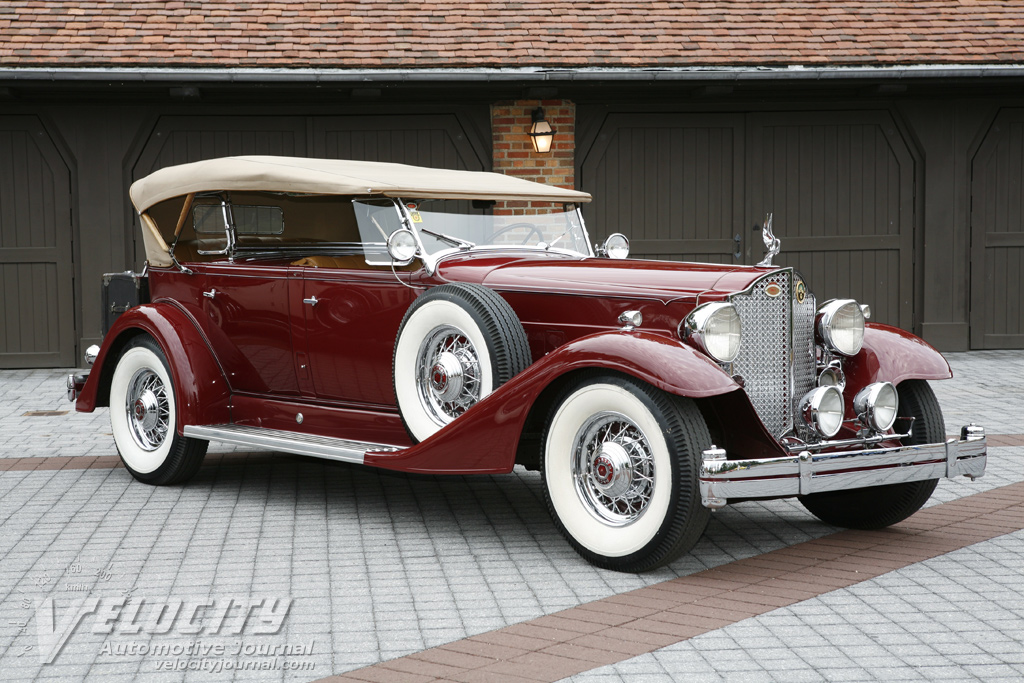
(807, 473)
(288, 442)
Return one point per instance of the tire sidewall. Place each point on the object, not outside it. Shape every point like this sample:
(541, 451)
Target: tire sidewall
(138, 460)
(578, 523)
(426, 316)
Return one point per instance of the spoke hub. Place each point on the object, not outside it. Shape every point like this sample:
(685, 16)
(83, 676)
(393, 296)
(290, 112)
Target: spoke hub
(612, 469)
(447, 376)
(146, 410)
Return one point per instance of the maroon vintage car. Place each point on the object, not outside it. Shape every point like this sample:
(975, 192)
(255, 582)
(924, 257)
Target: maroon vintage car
(411, 319)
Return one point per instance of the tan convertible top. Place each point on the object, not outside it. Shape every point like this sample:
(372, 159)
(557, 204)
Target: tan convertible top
(337, 177)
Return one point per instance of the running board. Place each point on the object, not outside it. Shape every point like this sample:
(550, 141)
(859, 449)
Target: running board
(288, 442)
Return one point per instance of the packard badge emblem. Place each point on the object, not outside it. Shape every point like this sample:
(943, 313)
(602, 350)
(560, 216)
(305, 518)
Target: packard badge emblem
(801, 291)
(773, 289)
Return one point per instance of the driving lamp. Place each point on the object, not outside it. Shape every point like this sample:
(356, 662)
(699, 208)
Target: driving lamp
(616, 246)
(402, 246)
(841, 326)
(876, 405)
(715, 329)
(822, 410)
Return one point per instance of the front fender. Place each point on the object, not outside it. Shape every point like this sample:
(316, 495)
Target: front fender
(892, 355)
(201, 389)
(484, 439)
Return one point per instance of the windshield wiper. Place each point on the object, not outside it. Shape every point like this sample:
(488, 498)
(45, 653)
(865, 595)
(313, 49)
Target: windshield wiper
(462, 244)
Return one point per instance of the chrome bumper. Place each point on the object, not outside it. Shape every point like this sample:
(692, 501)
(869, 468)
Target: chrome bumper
(799, 475)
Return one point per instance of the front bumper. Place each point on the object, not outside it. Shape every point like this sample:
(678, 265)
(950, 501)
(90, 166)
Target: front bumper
(806, 473)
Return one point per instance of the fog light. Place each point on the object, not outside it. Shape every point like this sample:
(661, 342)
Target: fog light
(832, 376)
(876, 405)
(822, 410)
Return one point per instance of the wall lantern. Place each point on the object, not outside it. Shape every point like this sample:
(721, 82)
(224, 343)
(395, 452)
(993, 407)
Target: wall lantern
(541, 132)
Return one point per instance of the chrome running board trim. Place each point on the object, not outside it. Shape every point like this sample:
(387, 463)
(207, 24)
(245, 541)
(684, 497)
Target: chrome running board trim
(288, 442)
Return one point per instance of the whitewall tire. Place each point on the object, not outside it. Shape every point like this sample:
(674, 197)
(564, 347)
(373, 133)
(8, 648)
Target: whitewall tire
(144, 419)
(457, 344)
(620, 461)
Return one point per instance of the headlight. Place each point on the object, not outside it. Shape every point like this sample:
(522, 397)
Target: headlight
(822, 410)
(841, 326)
(876, 405)
(715, 328)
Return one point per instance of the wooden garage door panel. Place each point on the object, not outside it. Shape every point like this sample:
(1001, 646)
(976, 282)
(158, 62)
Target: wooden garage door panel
(841, 188)
(997, 236)
(436, 140)
(37, 299)
(183, 139)
(672, 183)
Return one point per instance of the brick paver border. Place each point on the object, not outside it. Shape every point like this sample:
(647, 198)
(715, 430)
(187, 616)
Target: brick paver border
(629, 624)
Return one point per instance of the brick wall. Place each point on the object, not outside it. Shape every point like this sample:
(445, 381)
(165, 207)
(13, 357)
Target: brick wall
(513, 150)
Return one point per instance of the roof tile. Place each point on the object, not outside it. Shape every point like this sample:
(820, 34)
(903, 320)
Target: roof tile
(538, 33)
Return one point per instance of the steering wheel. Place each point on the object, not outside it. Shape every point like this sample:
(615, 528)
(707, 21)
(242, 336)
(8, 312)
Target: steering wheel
(533, 229)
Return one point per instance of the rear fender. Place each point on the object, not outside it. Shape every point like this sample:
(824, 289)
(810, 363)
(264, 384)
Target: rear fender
(485, 438)
(202, 391)
(892, 355)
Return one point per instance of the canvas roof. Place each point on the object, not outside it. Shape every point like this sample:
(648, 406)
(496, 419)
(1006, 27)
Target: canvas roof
(338, 177)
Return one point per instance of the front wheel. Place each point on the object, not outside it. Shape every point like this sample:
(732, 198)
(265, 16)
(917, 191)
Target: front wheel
(620, 462)
(143, 418)
(877, 507)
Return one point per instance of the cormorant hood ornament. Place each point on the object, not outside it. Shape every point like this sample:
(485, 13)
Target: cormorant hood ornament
(772, 242)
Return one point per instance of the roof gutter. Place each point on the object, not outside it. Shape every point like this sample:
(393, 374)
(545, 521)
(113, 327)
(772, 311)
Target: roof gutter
(508, 75)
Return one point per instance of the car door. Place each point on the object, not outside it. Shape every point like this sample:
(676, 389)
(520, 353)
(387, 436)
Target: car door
(246, 317)
(352, 314)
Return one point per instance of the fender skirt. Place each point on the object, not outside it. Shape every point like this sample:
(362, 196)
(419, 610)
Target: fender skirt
(892, 355)
(484, 439)
(203, 394)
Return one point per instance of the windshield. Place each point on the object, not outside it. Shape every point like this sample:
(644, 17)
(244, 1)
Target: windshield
(445, 224)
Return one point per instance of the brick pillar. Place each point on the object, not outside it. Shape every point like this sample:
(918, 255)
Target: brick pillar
(513, 150)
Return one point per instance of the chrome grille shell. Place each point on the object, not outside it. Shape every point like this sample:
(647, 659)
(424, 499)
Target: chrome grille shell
(776, 358)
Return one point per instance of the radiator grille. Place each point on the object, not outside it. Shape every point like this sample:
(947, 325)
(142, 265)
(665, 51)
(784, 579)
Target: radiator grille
(774, 326)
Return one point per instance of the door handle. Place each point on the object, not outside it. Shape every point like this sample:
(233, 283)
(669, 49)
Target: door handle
(209, 295)
(312, 301)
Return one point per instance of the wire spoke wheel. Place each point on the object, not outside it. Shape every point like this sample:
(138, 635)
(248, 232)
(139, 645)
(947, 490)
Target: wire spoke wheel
(148, 409)
(448, 374)
(613, 468)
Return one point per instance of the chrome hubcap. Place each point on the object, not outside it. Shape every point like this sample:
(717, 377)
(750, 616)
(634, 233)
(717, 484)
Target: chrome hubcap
(613, 468)
(148, 409)
(447, 374)
(446, 377)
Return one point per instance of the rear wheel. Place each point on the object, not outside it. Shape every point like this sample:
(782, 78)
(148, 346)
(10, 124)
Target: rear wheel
(143, 418)
(877, 507)
(620, 461)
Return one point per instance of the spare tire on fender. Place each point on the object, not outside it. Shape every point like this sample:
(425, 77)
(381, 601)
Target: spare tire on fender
(457, 343)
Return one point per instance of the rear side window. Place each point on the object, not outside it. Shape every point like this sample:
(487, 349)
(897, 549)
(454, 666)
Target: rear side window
(249, 219)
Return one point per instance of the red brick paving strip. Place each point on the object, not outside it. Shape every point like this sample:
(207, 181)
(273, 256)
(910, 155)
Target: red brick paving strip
(88, 462)
(629, 624)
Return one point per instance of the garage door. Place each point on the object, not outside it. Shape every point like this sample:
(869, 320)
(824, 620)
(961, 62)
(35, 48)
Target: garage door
(841, 187)
(671, 183)
(37, 326)
(693, 187)
(997, 236)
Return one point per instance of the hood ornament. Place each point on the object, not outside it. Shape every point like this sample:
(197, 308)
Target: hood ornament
(773, 243)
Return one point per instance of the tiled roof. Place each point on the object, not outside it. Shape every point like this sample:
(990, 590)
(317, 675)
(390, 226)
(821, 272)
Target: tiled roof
(529, 33)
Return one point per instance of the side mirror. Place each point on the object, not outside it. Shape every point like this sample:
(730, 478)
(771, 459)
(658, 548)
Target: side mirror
(402, 246)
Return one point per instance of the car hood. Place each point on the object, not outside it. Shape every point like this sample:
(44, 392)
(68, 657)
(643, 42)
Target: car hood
(661, 280)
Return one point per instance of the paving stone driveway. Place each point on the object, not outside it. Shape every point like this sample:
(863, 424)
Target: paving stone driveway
(372, 566)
